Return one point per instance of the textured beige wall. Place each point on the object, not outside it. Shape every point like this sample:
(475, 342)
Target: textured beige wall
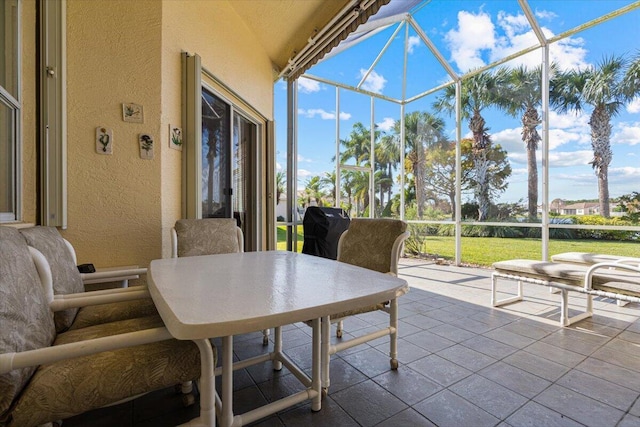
(120, 207)
(113, 56)
(28, 128)
(229, 50)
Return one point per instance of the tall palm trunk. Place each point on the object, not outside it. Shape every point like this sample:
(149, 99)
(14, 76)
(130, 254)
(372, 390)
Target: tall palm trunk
(600, 142)
(481, 142)
(530, 120)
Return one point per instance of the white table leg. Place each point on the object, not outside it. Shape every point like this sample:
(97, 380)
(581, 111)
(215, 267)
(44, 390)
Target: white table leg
(316, 402)
(277, 348)
(226, 419)
(325, 342)
(207, 386)
(393, 338)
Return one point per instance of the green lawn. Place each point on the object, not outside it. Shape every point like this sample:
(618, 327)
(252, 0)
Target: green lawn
(486, 250)
(282, 238)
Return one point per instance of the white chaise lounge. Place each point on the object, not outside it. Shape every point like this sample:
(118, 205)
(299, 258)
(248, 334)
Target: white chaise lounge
(607, 279)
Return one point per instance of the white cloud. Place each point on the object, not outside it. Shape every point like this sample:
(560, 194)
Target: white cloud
(513, 24)
(303, 173)
(568, 53)
(374, 83)
(587, 180)
(545, 14)
(323, 114)
(475, 33)
(560, 137)
(570, 158)
(510, 140)
(634, 106)
(569, 120)
(476, 37)
(386, 124)
(624, 174)
(626, 133)
(306, 85)
(304, 159)
(278, 167)
(414, 41)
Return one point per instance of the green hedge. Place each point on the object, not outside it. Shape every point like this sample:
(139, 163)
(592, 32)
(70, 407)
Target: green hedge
(419, 232)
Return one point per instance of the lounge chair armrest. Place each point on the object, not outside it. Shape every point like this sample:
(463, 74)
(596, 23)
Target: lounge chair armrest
(114, 274)
(629, 261)
(588, 278)
(63, 302)
(10, 361)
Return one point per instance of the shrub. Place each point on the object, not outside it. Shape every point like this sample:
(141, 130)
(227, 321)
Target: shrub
(604, 234)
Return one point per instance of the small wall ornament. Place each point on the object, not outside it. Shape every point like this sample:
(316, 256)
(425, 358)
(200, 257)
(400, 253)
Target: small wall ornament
(132, 113)
(175, 137)
(104, 140)
(146, 146)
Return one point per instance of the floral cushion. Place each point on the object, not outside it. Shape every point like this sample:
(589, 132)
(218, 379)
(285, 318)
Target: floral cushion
(207, 236)
(65, 274)
(112, 312)
(26, 323)
(69, 387)
(368, 243)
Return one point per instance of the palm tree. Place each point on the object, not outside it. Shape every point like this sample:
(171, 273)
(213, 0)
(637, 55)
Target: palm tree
(281, 185)
(478, 92)
(360, 186)
(522, 96)
(313, 190)
(387, 159)
(422, 131)
(606, 88)
(328, 180)
(357, 146)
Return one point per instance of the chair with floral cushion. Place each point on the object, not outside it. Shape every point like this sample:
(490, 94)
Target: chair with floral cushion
(66, 279)
(208, 236)
(375, 244)
(47, 376)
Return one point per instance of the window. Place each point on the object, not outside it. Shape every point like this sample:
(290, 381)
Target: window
(9, 110)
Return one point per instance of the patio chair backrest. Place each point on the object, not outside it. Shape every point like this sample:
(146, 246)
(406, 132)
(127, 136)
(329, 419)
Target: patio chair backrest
(64, 271)
(373, 243)
(26, 323)
(207, 236)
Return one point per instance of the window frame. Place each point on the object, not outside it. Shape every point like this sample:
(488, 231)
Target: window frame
(15, 107)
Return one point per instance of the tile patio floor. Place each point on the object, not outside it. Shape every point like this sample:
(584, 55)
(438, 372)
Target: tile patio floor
(462, 363)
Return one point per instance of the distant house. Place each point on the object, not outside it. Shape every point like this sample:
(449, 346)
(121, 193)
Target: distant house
(559, 206)
(583, 208)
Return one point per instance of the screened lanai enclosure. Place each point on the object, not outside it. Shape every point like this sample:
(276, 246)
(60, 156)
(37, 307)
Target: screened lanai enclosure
(500, 129)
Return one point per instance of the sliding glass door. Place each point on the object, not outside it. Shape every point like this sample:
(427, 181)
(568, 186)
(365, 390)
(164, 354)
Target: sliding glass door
(229, 142)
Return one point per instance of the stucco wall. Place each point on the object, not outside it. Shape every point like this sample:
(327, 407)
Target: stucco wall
(28, 99)
(113, 57)
(229, 50)
(120, 207)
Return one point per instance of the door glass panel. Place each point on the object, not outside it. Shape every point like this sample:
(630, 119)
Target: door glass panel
(244, 132)
(215, 151)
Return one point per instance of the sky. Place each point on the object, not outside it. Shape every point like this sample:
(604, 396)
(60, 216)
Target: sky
(471, 34)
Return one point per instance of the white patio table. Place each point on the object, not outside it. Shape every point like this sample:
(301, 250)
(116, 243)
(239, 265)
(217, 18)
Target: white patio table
(225, 295)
